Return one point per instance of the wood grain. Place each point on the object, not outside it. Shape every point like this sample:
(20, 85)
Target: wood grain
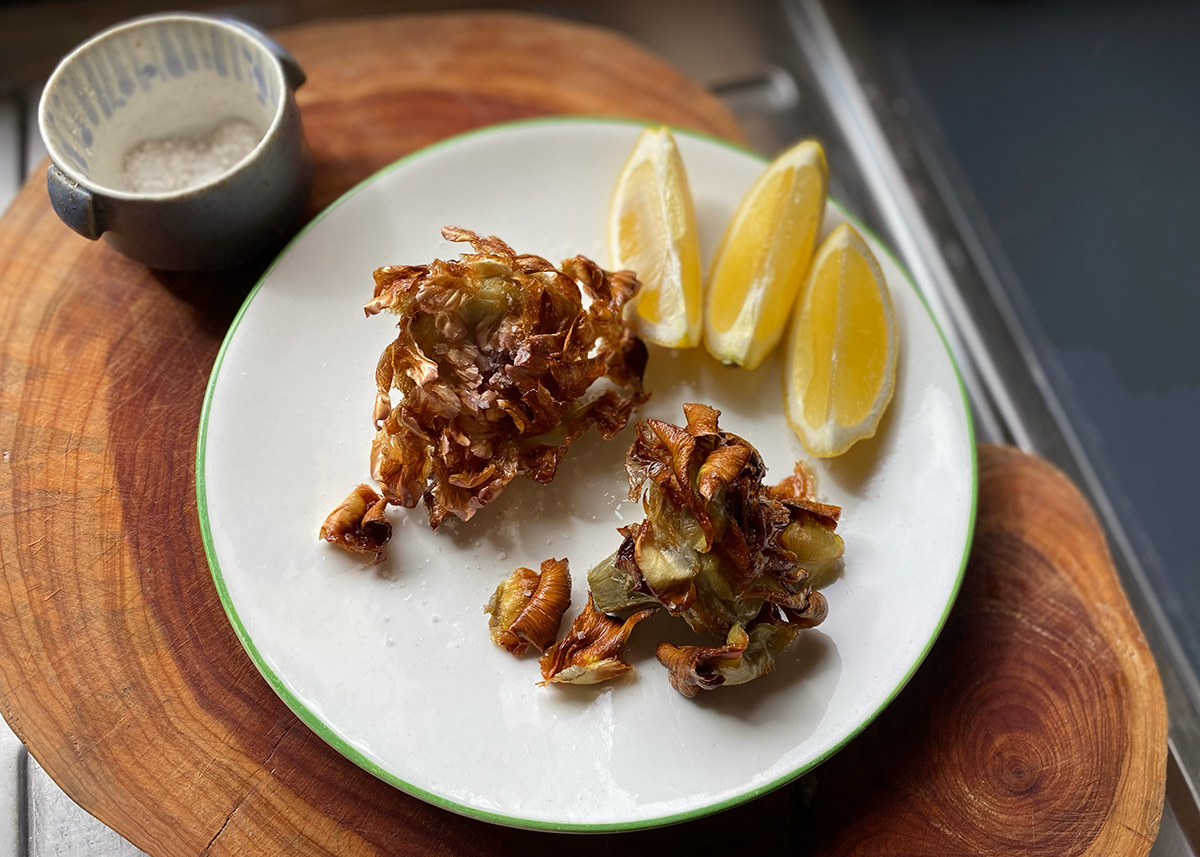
(121, 674)
(1037, 725)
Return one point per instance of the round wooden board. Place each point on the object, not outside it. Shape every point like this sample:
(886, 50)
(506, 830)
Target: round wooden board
(121, 674)
(1037, 724)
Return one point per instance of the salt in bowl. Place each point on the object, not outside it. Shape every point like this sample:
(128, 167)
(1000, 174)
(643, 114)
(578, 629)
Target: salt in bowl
(177, 138)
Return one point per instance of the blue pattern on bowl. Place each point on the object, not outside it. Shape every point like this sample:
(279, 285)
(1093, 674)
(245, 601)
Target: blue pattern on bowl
(101, 83)
(176, 76)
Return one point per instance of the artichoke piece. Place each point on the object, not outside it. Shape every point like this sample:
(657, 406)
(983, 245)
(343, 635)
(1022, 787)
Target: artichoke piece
(527, 608)
(719, 604)
(590, 653)
(767, 639)
(805, 608)
(800, 490)
(744, 657)
(717, 543)
(801, 485)
(696, 668)
(359, 524)
(720, 549)
(669, 568)
(811, 535)
(817, 547)
(612, 589)
(499, 368)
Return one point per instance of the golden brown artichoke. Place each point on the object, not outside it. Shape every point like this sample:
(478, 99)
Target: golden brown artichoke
(590, 653)
(744, 657)
(527, 608)
(359, 524)
(497, 365)
(718, 548)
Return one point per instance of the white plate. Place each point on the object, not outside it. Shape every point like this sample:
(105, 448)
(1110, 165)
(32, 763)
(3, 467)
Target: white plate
(393, 665)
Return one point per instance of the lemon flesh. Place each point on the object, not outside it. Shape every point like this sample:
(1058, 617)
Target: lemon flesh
(840, 360)
(763, 257)
(652, 232)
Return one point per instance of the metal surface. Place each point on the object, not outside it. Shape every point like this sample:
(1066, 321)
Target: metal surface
(788, 69)
(11, 168)
(12, 792)
(57, 827)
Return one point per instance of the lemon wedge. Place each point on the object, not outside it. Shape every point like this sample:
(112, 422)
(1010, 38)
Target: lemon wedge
(652, 232)
(840, 359)
(763, 257)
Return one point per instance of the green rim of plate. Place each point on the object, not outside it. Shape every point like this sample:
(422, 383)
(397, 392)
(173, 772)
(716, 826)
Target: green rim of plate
(318, 726)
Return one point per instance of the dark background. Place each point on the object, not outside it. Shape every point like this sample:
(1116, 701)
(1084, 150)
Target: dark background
(1071, 134)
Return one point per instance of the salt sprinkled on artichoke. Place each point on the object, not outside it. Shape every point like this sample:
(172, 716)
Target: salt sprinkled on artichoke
(499, 368)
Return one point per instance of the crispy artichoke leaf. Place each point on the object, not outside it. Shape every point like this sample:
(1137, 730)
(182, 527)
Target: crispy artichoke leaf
(721, 467)
(800, 488)
(800, 485)
(766, 640)
(527, 608)
(596, 672)
(696, 668)
(590, 652)
(746, 656)
(359, 524)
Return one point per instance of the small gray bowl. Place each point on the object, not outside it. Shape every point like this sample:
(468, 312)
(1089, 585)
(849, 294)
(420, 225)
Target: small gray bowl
(172, 77)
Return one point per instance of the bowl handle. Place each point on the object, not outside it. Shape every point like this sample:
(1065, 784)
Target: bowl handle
(292, 72)
(74, 204)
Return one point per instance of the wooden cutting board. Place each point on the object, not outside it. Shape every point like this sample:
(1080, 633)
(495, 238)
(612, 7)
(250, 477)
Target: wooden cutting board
(1037, 726)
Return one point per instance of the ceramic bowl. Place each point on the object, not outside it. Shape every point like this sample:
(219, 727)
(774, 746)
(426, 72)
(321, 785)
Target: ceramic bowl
(177, 77)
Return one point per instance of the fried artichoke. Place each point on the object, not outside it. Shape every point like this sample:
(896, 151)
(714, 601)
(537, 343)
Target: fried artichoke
(359, 524)
(744, 657)
(499, 367)
(527, 608)
(590, 653)
(719, 549)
